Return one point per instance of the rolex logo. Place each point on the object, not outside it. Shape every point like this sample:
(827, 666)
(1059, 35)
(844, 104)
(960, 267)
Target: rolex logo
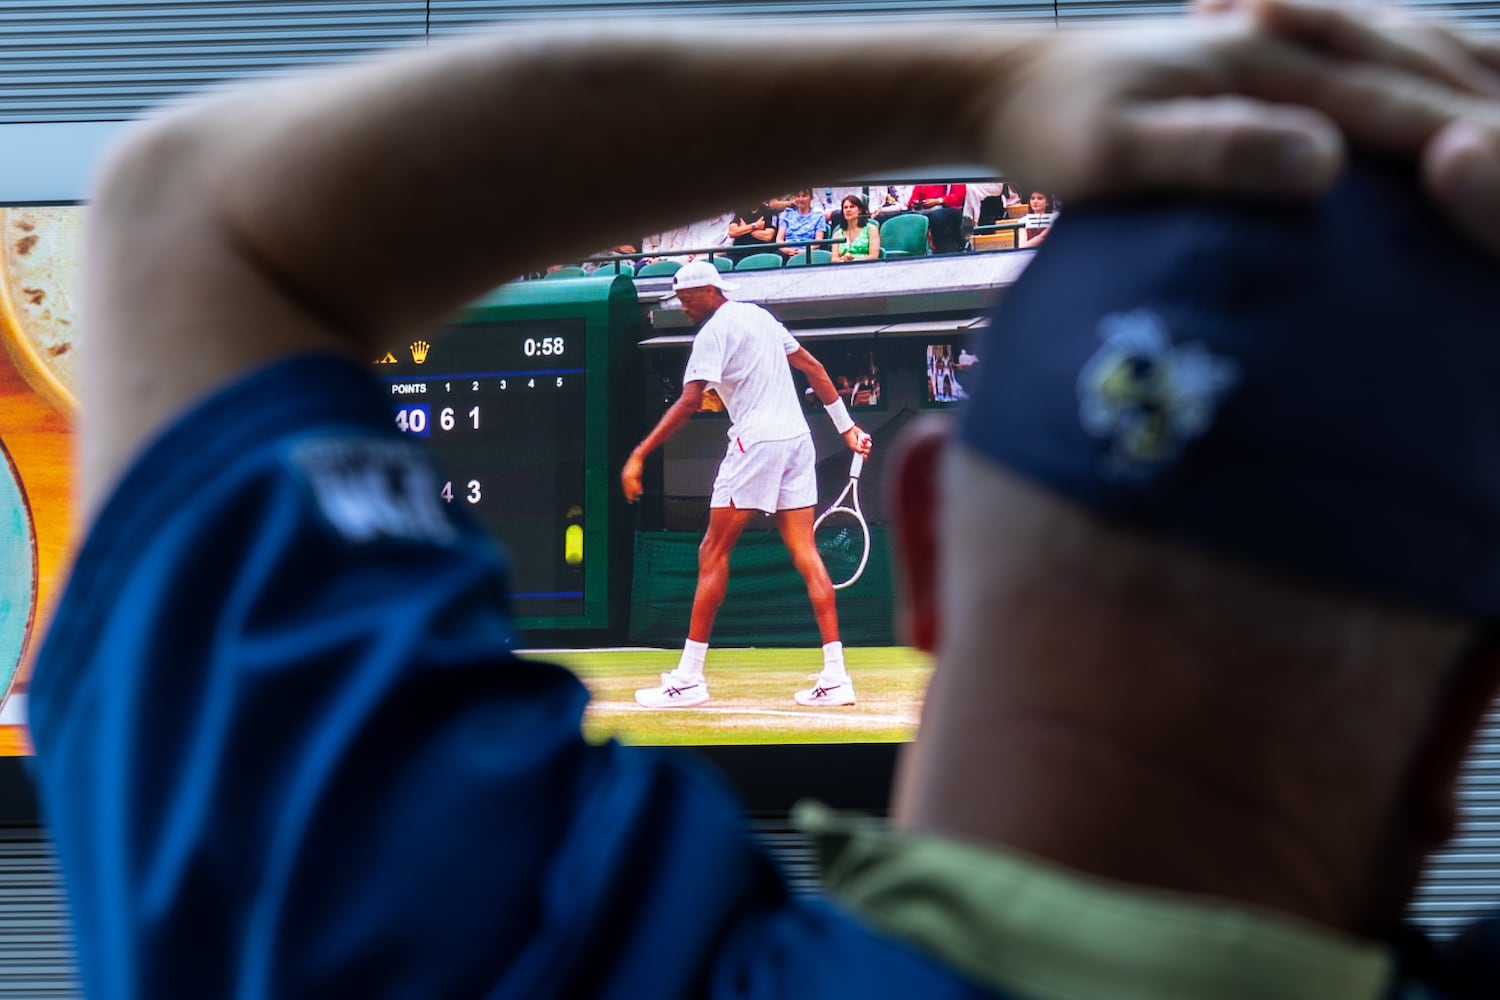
(419, 351)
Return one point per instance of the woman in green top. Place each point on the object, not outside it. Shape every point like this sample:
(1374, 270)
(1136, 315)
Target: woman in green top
(861, 235)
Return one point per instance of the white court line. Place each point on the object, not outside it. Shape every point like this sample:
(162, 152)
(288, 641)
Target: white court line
(838, 713)
(608, 649)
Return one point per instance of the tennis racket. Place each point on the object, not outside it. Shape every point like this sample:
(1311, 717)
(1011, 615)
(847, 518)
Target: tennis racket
(841, 534)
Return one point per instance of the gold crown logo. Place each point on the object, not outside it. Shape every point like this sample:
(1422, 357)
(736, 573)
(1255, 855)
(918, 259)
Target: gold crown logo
(419, 351)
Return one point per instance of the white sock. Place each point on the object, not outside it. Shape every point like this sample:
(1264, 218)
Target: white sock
(690, 664)
(833, 663)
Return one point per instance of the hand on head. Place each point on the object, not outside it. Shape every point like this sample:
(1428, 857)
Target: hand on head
(1259, 99)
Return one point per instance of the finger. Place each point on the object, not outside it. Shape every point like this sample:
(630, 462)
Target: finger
(1461, 168)
(1384, 36)
(1228, 145)
(1485, 50)
(1380, 35)
(1380, 107)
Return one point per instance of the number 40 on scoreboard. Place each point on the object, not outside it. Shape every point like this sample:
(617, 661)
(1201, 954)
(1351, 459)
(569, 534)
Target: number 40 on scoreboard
(416, 419)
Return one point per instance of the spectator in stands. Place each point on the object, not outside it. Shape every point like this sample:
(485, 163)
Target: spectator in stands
(619, 250)
(845, 386)
(889, 201)
(1039, 222)
(830, 201)
(861, 235)
(986, 203)
(708, 234)
(943, 204)
(752, 230)
(799, 223)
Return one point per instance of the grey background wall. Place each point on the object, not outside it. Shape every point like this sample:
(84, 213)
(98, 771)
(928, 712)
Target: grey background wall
(84, 61)
(73, 71)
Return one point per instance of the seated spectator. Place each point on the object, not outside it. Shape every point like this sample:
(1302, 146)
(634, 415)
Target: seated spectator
(799, 223)
(752, 230)
(861, 234)
(624, 249)
(845, 386)
(831, 202)
(986, 203)
(710, 234)
(889, 201)
(1038, 221)
(943, 205)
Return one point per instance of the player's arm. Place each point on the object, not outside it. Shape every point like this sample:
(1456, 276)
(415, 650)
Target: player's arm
(355, 208)
(828, 394)
(687, 404)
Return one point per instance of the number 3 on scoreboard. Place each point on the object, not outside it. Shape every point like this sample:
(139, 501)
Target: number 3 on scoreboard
(474, 495)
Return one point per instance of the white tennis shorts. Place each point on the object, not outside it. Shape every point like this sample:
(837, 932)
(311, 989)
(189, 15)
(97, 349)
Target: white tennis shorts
(768, 475)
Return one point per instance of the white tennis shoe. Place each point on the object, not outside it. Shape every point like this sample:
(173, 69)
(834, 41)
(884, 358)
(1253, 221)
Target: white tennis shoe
(675, 691)
(826, 694)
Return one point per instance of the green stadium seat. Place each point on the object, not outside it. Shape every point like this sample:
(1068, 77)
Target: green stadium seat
(904, 236)
(658, 269)
(818, 257)
(759, 262)
(608, 269)
(567, 272)
(723, 264)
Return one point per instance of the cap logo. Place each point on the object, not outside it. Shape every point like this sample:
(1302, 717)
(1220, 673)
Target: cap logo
(1146, 396)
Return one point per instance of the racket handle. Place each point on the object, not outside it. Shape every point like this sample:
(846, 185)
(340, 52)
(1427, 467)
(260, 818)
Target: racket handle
(856, 466)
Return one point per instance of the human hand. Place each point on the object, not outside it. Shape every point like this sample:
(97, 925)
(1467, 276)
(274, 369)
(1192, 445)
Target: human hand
(1256, 101)
(1453, 100)
(630, 477)
(858, 440)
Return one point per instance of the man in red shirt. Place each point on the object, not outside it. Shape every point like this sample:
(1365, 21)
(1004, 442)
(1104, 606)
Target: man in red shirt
(943, 204)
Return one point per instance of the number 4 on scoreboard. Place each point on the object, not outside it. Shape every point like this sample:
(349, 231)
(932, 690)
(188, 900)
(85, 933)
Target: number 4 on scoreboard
(473, 496)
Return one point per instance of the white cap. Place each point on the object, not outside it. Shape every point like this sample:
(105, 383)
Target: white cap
(699, 274)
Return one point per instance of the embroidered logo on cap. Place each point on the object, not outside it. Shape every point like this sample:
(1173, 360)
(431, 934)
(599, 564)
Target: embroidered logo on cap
(1147, 396)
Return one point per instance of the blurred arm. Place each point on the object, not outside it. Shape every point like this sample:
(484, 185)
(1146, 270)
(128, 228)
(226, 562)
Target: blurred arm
(353, 208)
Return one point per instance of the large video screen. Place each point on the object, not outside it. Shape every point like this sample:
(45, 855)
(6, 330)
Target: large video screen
(885, 283)
(39, 269)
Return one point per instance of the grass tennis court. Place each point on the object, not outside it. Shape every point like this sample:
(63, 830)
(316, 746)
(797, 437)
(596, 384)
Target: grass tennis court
(752, 696)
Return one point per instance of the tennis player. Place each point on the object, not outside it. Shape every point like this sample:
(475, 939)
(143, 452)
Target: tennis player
(747, 356)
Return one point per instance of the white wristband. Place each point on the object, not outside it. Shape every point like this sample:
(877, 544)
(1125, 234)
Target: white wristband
(839, 414)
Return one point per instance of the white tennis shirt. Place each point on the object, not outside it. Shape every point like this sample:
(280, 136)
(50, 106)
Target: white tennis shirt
(741, 353)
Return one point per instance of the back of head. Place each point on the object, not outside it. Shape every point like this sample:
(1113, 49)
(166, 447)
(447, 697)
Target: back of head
(1227, 500)
(1311, 387)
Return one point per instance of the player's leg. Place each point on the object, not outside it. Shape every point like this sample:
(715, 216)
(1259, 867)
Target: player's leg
(796, 527)
(725, 525)
(794, 520)
(736, 499)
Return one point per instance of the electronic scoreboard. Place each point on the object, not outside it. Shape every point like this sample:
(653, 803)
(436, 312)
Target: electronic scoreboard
(513, 398)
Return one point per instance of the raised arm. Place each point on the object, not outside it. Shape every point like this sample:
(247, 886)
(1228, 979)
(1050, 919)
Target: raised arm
(347, 210)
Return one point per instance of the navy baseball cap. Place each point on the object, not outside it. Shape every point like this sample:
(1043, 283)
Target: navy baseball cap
(1315, 387)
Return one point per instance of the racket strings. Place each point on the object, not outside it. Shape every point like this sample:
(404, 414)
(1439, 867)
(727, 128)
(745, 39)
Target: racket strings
(842, 541)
